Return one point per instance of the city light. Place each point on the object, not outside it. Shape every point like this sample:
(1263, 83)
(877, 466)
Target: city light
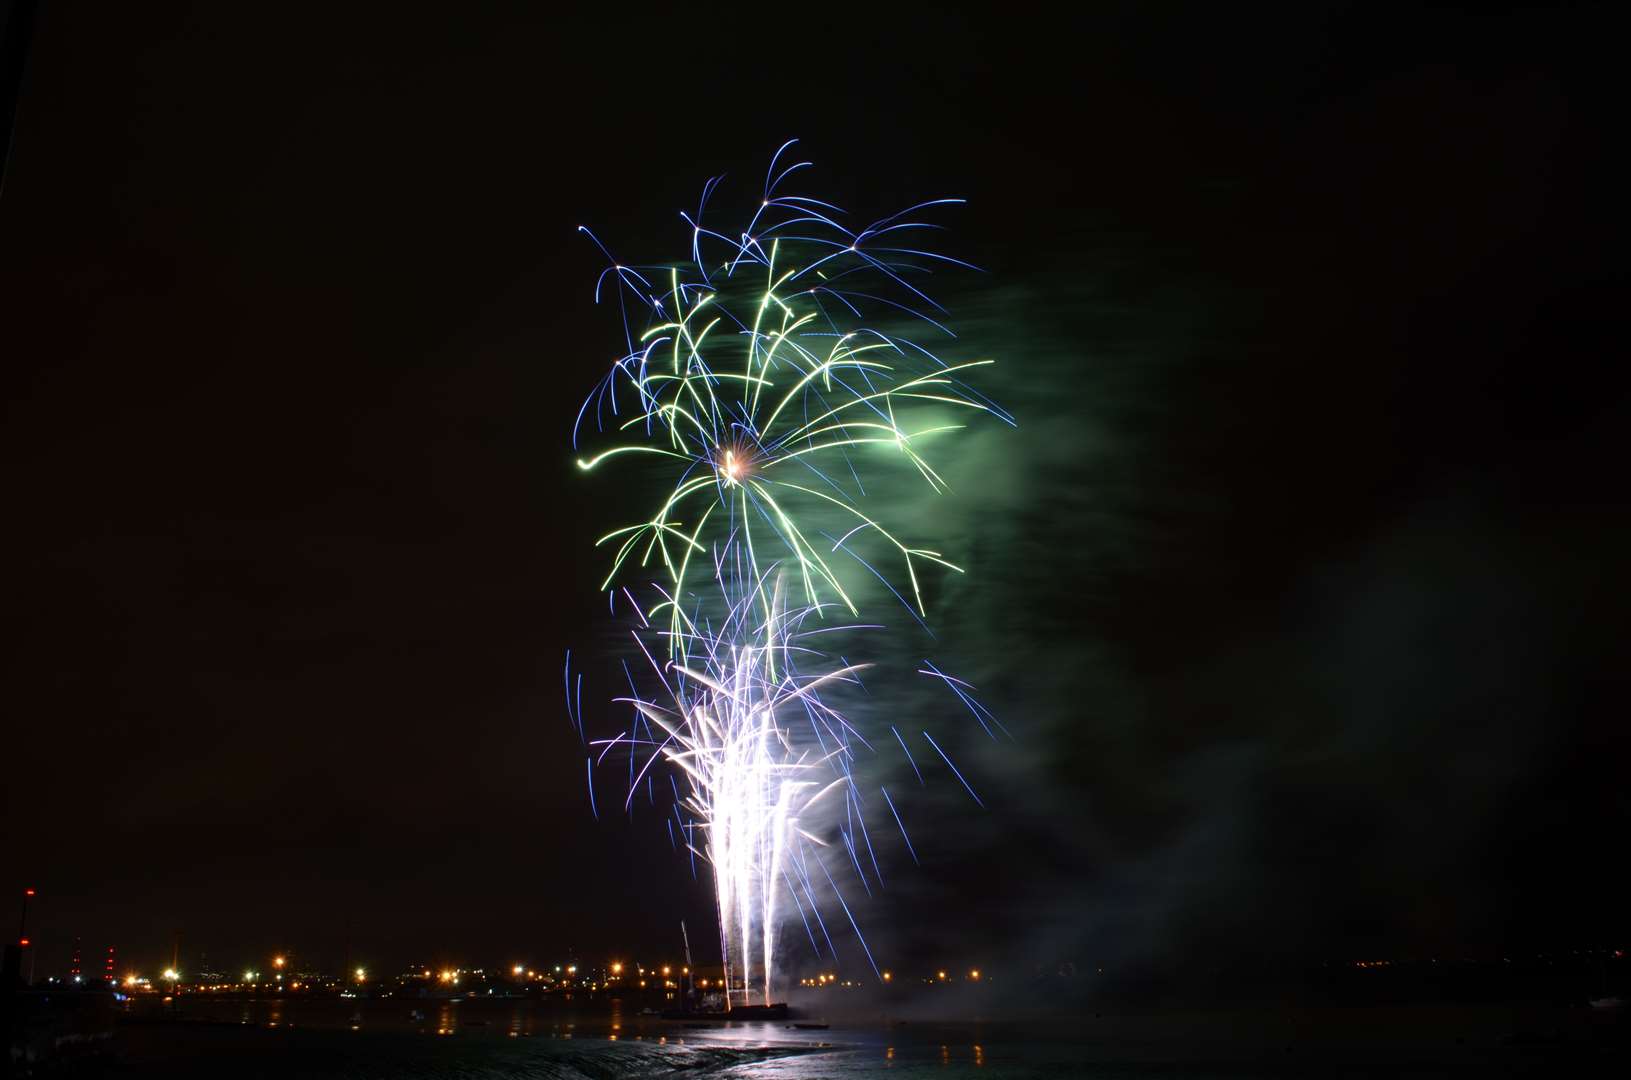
(277, 961)
(608, 977)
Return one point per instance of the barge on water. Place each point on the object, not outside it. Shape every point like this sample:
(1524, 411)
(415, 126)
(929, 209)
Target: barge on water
(777, 1011)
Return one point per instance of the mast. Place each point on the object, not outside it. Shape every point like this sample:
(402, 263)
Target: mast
(14, 41)
(689, 978)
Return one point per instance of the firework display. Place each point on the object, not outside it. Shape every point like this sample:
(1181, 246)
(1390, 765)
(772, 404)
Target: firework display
(764, 384)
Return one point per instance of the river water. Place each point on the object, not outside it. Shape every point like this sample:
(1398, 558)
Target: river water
(488, 1040)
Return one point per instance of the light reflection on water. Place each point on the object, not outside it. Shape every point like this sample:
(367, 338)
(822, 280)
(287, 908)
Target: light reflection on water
(519, 1038)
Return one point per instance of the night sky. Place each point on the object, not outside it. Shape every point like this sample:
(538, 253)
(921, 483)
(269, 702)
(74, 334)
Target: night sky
(1309, 625)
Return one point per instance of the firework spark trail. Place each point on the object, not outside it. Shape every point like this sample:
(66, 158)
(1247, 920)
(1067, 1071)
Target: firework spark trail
(759, 378)
(899, 823)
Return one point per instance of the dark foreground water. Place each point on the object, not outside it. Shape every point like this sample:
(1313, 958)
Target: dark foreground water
(329, 1040)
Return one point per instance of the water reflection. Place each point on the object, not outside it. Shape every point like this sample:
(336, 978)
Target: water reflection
(612, 1042)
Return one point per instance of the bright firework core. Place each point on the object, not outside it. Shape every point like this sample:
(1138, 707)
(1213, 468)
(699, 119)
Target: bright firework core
(734, 464)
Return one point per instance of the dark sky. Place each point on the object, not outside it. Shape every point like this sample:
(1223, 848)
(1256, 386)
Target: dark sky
(295, 320)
